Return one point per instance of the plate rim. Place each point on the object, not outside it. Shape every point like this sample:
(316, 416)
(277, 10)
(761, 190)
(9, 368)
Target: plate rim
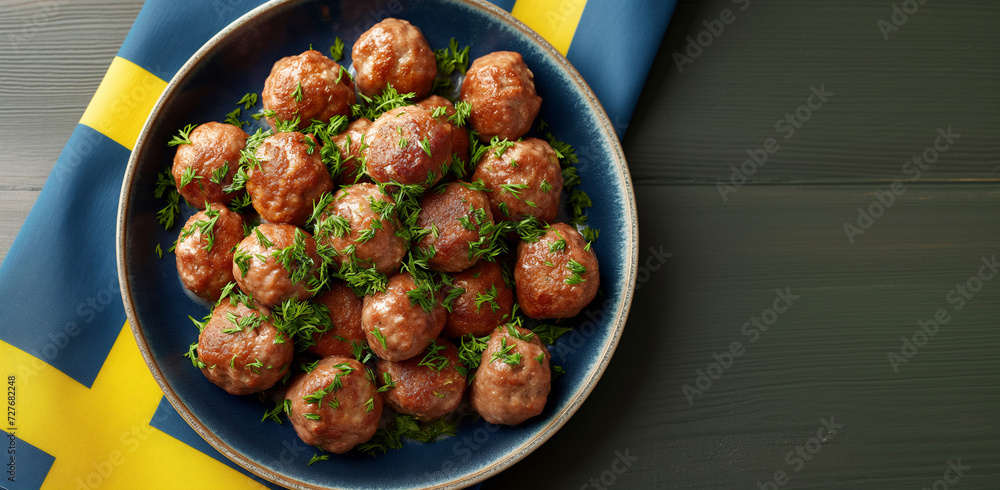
(617, 323)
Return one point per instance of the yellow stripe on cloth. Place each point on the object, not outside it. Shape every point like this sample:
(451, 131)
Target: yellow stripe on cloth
(123, 101)
(555, 20)
(101, 437)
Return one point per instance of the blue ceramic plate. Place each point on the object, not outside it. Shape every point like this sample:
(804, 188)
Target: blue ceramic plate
(237, 61)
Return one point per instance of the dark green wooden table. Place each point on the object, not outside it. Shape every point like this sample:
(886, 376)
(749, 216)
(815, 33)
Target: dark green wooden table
(699, 394)
(813, 399)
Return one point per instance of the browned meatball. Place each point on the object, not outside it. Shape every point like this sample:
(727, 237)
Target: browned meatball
(484, 305)
(350, 144)
(427, 386)
(459, 135)
(242, 350)
(258, 264)
(501, 90)
(556, 276)
(394, 52)
(335, 406)
(345, 313)
(310, 86)
(513, 379)
(205, 250)
(525, 180)
(214, 151)
(396, 328)
(408, 146)
(288, 180)
(455, 217)
(352, 222)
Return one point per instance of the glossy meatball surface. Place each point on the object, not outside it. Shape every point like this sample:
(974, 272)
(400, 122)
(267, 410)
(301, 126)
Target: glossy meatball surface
(557, 276)
(308, 86)
(205, 250)
(335, 406)
(513, 380)
(396, 328)
(345, 314)
(259, 269)
(524, 180)
(455, 216)
(407, 145)
(354, 225)
(428, 385)
(288, 180)
(501, 90)
(459, 135)
(350, 145)
(214, 152)
(242, 350)
(485, 304)
(394, 52)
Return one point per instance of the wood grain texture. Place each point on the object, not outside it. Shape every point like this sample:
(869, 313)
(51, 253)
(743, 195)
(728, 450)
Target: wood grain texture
(53, 55)
(889, 97)
(826, 356)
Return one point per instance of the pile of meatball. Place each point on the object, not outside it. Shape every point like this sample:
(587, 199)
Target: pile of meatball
(338, 403)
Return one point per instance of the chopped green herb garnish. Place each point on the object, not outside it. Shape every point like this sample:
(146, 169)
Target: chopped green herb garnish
(514, 332)
(192, 354)
(488, 297)
(183, 136)
(219, 174)
(249, 100)
(318, 457)
(337, 49)
(439, 111)
(254, 366)
(295, 258)
(514, 189)
(381, 338)
(462, 111)
(470, 351)
(204, 227)
(504, 353)
(234, 118)
(391, 437)
(578, 270)
(283, 126)
(449, 60)
(240, 202)
(242, 260)
(165, 190)
(433, 358)
(557, 245)
(281, 407)
(548, 333)
(265, 113)
(300, 320)
(189, 176)
(375, 106)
